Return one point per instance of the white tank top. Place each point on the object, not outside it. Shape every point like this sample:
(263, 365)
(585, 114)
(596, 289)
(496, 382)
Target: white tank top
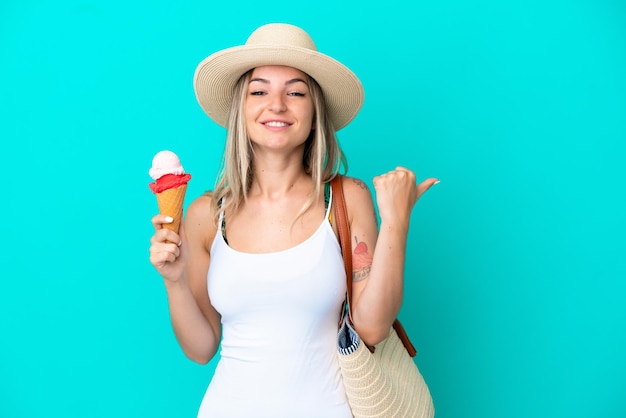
(280, 312)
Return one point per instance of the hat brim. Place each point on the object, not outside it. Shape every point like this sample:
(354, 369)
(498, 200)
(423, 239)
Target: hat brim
(216, 76)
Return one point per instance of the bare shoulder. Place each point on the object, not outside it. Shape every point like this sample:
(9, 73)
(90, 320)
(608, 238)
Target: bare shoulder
(200, 219)
(201, 206)
(359, 202)
(356, 190)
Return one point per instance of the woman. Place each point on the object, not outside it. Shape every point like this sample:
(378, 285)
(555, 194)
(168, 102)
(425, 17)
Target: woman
(258, 267)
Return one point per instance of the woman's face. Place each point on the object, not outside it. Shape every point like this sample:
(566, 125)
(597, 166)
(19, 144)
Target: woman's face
(278, 107)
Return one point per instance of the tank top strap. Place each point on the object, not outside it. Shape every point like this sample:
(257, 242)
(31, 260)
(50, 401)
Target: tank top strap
(328, 202)
(221, 220)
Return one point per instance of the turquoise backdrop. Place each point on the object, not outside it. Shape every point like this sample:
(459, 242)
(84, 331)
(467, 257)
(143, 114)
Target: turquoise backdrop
(516, 287)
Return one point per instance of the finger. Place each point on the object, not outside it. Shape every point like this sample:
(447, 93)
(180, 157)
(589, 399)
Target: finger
(160, 258)
(168, 256)
(172, 237)
(159, 245)
(161, 253)
(159, 220)
(404, 170)
(425, 185)
(165, 236)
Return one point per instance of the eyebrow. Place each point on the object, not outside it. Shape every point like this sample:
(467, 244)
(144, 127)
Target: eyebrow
(288, 82)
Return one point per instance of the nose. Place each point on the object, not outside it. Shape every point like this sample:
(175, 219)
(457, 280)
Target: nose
(277, 103)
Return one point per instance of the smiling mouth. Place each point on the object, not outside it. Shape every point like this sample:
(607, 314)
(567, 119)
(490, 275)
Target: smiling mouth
(276, 124)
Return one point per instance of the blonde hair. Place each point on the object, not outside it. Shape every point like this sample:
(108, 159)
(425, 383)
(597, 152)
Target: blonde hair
(322, 158)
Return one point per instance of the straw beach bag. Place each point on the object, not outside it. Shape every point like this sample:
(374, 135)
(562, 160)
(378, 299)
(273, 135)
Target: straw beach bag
(384, 382)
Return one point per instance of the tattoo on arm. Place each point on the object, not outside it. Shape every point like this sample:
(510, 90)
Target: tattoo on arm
(361, 261)
(359, 183)
(361, 257)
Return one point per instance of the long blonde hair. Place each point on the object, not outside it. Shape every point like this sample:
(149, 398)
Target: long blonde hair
(322, 158)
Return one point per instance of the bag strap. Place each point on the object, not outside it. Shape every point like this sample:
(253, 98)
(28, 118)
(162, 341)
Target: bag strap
(341, 215)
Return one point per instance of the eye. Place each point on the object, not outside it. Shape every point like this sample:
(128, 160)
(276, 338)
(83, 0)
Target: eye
(257, 93)
(297, 94)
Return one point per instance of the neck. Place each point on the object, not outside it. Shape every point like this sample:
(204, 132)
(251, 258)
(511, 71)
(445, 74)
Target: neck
(276, 181)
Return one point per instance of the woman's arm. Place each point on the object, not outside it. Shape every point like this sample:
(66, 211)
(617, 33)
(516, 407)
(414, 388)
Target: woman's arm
(378, 254)
(184, 269)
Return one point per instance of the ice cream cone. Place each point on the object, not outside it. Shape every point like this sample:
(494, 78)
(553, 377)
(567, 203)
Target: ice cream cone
(170, 186)
(170, 203)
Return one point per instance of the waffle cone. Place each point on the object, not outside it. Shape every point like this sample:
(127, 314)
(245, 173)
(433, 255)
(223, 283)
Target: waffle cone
(171, 204)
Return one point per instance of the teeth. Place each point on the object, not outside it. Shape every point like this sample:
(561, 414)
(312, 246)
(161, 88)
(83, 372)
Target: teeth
(276, 124)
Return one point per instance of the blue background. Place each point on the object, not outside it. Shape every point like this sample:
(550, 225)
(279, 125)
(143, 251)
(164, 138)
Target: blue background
(516, 283)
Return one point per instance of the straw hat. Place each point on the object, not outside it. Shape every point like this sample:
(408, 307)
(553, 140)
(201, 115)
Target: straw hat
(277, 44)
